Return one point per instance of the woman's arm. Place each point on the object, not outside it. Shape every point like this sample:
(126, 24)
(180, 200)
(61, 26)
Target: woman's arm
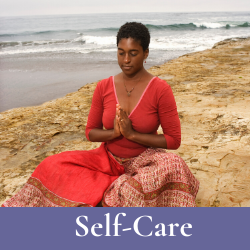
(101, 135)
(151, 140)
(94, 129)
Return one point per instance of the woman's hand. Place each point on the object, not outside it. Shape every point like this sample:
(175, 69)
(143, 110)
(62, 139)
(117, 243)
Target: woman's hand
(117, 131)
(125, 123)
(126, 129)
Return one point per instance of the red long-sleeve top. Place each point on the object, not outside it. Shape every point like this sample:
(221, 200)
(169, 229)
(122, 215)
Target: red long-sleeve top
(156, 107)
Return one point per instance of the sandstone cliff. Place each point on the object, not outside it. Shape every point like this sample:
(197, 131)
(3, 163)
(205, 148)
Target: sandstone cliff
(212, 91)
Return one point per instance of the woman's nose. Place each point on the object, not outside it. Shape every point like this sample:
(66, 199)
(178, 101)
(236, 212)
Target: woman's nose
(127, 58)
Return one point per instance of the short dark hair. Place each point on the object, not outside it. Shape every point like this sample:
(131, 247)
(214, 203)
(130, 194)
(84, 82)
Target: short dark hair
(137, 31)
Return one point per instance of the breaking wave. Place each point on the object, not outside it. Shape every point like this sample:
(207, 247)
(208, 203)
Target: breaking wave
(180, 26)
(193, 26)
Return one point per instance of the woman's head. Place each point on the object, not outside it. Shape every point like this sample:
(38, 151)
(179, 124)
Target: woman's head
(137, 31)
(132, 47)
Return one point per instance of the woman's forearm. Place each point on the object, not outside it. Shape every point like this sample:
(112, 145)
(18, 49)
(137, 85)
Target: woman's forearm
(151, 140)
(100, 135)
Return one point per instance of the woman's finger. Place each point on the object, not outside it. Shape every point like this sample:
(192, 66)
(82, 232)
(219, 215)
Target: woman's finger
(123, 114)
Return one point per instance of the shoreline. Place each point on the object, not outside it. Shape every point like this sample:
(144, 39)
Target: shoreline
(34, 80)
(212, 95)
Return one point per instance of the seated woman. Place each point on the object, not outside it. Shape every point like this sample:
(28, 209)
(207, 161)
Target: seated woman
(131, 167)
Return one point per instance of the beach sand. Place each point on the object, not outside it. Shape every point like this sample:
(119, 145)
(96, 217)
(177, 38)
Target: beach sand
(213, 97)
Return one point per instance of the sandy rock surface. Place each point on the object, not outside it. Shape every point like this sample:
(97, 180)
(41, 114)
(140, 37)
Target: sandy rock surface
(212, 91)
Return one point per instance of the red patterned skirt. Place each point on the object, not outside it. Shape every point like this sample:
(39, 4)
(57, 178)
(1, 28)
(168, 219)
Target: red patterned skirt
(155, 178)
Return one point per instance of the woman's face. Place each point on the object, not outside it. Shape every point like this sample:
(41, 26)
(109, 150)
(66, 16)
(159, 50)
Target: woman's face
(130, 56)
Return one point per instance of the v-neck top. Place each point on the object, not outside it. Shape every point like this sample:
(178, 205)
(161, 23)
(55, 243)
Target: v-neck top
(117, 101)
(156, 107)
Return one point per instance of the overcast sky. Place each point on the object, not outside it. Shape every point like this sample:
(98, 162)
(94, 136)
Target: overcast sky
(48, 7)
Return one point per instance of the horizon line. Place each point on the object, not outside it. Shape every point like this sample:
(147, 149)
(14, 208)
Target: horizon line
(89, 13)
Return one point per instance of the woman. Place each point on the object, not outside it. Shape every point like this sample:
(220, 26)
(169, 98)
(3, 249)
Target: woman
(131, 167)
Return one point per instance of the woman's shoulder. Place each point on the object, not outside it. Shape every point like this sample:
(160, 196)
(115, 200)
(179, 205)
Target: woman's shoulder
(104, 84)
(160, 85)
(106, 81)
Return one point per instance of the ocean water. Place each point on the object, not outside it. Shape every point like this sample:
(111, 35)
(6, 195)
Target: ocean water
(54, 55)
(94, 35)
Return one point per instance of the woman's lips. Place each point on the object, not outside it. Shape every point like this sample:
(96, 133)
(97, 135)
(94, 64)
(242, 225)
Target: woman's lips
(127, 67)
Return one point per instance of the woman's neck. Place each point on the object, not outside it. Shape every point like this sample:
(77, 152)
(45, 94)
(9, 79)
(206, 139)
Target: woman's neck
(134, 77)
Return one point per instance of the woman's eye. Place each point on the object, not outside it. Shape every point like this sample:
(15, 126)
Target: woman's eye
(121, 54)
(133, 54)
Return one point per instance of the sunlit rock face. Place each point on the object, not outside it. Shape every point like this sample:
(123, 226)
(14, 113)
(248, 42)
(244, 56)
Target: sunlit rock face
(212, 91)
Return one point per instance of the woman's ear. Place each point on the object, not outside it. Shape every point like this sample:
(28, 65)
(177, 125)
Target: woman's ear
(146, 52)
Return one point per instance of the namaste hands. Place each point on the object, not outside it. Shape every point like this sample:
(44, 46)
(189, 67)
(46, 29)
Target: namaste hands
(122, 124)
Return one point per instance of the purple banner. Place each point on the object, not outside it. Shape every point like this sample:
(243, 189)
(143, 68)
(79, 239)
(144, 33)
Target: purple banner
(124, 228)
